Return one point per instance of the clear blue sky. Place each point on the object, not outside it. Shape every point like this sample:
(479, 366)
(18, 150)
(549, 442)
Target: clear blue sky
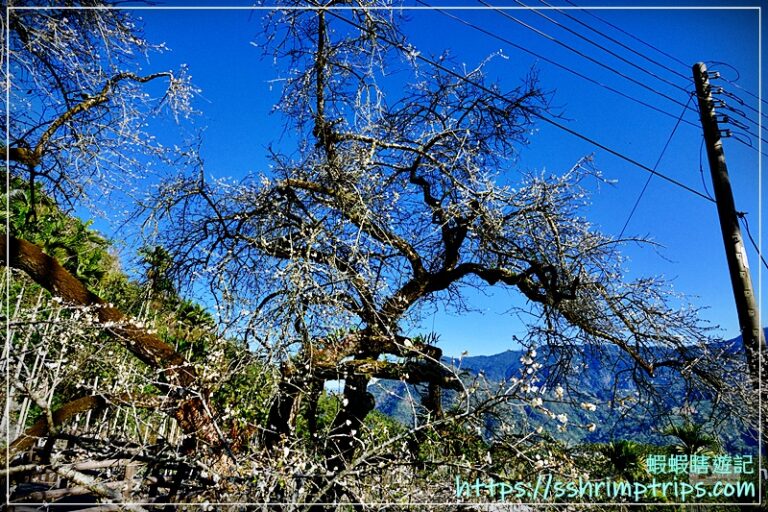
(237, 96)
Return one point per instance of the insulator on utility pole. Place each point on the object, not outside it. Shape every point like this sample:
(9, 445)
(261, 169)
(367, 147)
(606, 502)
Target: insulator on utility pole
(746, 305)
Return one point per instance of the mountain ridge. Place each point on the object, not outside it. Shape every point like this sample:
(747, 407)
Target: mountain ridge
(593, 381)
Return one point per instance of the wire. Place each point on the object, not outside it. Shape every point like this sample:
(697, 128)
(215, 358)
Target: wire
(738, 136)
(745, 138)
(743, 217)
(739, 100)
(649, 45)
(580, 75)
(739, 113)
(701, 163)
(616, 41)
(701, 168)
(749, 134)
(593, 43)
(755, 96)
(660, 51)
(735, 122)
(530, 111)
(721, 63)
(553, 62)
(580, 53)
(658, 161)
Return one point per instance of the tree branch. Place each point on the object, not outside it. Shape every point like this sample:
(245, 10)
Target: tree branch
(192, 414)
(48, 273)
(87, 104)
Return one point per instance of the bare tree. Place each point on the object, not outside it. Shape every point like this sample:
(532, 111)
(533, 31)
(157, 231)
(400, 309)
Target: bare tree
(78, 106)
(403, 194)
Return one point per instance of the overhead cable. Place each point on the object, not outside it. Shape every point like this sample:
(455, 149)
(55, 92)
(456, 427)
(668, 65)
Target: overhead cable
(530, 111)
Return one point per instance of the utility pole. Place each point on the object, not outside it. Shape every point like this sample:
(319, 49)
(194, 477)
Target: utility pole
(746, 306)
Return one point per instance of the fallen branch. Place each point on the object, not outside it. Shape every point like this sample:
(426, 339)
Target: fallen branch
(94, 486)
(41, 428)
(55, 494)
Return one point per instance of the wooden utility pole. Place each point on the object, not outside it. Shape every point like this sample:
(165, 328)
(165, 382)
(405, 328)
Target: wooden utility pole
(746, 306)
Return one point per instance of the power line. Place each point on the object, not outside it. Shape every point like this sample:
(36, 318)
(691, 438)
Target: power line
(715, 63)
(587, 11)
(601, 47)
(716, 75)
(614, 54)
(719, 90)
(658, 161)
(553, 62)
(701, 162)
(738, 137)
(701, 147)
(745, 90)
(739, 100)
(616, 41)
(581, 75)
(579, 53)
(701, 168)
(738, 113)
(743, 217)
(734, 135)
(531, 112)
(649, 45)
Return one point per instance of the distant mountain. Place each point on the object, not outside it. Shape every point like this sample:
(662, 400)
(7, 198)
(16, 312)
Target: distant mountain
(610, 387)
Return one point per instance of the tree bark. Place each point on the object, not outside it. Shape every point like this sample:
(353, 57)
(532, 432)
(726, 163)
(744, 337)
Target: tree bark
(41, 428)
(46, 271)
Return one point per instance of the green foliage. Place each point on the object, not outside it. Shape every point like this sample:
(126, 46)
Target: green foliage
(381, 428)
(85, 253)
(691, 439)
(116, 288)
(625, 459)
(73, 243)
(157, 264)
(245, 394)
(458, 439)
(187, 326)
(328, 406)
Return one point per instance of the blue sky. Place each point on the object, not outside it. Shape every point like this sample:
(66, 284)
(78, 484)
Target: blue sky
(237, 95)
